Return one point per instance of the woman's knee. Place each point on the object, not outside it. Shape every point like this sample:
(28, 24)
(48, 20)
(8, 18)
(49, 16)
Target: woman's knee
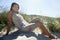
(37, 19)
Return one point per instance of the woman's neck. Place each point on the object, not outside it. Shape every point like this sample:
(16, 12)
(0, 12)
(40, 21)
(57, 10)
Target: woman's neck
(14, 12)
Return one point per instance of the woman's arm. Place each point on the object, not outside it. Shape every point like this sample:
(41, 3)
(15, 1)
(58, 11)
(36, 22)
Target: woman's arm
(9, 17)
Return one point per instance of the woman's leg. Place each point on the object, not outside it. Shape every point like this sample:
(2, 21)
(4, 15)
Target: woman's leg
(41, 26)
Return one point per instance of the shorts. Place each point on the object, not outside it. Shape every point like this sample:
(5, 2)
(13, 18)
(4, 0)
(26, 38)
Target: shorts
(29, 27)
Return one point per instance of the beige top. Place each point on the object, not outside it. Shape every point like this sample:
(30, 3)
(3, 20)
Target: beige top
(19, 21)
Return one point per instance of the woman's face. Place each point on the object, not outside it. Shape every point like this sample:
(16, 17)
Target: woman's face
(15, 8)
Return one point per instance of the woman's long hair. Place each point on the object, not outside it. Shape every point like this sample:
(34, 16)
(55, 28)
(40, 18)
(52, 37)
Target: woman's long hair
(13, 6)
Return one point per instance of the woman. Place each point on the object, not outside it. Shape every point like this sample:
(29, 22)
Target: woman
(19, 22)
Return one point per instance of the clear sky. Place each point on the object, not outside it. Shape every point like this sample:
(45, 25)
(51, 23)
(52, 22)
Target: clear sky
(38, 7)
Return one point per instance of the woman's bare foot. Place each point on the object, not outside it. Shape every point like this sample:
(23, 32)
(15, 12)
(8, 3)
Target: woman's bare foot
(50, 36)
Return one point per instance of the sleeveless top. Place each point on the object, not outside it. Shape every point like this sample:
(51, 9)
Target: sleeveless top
(19, 21)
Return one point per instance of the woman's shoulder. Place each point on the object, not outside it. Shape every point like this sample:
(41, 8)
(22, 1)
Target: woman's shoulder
(9, 13)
